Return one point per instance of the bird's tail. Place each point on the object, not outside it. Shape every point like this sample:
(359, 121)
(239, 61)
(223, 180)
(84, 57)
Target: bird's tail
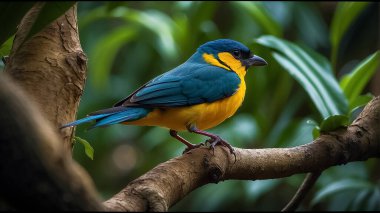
(112, 116)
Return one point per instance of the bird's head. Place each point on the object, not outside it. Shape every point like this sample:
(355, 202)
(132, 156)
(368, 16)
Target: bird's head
(229, 54)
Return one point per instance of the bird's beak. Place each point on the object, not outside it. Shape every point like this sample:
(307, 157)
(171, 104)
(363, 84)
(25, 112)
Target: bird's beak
(255, 61)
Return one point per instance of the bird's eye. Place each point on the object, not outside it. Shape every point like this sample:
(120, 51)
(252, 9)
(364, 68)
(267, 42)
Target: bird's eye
(236, 53)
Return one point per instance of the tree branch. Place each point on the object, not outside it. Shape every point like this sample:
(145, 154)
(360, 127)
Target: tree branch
(36, 169)
(35, 174)
(307, 184)
(169, 182)
(50, 67)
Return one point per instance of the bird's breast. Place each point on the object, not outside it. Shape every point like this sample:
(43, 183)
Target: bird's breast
(212, 114)
(203, 116)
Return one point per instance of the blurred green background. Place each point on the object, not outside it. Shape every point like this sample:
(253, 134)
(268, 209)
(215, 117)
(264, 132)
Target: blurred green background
(129, 43)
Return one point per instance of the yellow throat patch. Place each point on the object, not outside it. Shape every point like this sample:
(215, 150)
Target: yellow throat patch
(227, 59)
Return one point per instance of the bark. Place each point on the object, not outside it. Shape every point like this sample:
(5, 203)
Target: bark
(169, 182)
(36, 173)
(36, 169)
(51, 68)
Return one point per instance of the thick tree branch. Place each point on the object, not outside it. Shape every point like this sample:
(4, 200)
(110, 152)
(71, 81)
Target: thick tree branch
(169, 182)
(35, 174)
(50, 67)
(36, 169)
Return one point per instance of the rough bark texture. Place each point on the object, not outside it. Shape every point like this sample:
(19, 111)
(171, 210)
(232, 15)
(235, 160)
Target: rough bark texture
(34, 172)
(169, 182)
(49, 70)
(50, 67)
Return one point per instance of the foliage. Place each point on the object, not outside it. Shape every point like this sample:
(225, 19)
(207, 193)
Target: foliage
(87, 147)
(311, 84)
(49, 12)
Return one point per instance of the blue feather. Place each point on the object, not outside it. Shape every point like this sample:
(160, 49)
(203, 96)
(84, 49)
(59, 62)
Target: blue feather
(121, 115)
(85, 120)
(194, 83)
(130, 114)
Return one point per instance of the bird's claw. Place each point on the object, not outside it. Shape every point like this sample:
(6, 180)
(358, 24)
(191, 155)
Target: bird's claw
(217, 140)
(213, 142)
(193, 146)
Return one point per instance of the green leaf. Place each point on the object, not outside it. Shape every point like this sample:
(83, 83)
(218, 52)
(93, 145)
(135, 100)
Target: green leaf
(11, 14)
(313, 73)
(157, 22)
(360, 101)
(258, 12)
(339, 186)
(105, 52)
(310, 26)
(91, 16)
(316, 132)
(353, 83)
(6, 47)
(49, 12)
(360, 199)
(345, 14)
(316, 129)
(333, 122)
(373, 201)
(87, 147)
(312, 122)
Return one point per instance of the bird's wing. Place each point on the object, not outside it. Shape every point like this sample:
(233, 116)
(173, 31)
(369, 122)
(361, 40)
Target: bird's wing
(184, 86)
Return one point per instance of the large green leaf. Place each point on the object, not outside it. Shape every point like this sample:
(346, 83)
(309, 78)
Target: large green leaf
(258, 12)
(345, 14)
(360, 199)
(339, 186)
(312, 71)
(11, 14)
(353, 83)
(105, 52)
(156, 21)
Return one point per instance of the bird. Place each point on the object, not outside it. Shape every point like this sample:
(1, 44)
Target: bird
(195, 96)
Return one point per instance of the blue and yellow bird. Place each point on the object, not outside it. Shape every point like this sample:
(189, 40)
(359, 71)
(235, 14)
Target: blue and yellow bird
(197, 95)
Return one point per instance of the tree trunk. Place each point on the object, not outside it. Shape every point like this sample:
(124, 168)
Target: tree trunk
(36, 174)
(48, 73)
(51, 68)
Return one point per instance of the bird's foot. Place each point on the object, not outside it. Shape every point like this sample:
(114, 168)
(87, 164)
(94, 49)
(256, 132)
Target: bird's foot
(192, 146)
(213, 141)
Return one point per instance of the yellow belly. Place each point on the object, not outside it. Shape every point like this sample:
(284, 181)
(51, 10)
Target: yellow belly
(203, 116)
